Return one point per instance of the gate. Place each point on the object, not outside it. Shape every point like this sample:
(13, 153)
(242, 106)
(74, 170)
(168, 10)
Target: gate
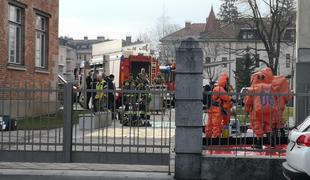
(53, 126)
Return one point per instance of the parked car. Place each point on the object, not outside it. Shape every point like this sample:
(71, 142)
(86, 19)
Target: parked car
(297, 165)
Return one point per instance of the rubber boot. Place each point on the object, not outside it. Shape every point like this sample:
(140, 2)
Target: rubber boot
(272, 138)
(282, 132)
(258, 143)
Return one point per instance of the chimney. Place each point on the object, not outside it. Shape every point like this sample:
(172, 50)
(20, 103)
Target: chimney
(101, 38)
(85, 38)
(128, 39)
(188, 25)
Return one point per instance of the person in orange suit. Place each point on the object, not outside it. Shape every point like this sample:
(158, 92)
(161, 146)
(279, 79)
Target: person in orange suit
(280, 86)
(227, 107)
(261, 105)
(255, 80)
(215, 112)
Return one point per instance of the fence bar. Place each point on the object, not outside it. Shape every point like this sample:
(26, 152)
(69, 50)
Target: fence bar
(67, 131)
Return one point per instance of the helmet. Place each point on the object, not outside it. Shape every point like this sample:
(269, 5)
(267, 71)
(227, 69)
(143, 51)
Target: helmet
(267, 72)
(223, 80)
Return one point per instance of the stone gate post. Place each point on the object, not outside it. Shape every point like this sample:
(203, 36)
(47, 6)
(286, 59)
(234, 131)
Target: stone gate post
(302, 81)
(189, 58)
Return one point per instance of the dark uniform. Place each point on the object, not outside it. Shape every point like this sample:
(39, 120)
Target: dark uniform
(88, 87)
(144, 98)
(159, 80)
(129, 98)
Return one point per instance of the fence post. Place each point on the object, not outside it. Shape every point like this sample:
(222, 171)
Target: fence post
(302, 83)
(189, 58)
(67, 130)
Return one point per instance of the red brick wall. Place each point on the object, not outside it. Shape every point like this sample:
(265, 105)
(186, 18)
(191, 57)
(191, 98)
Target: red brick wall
(15, 78)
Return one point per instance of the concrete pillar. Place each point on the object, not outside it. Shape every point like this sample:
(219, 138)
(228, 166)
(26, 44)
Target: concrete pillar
(67, 130)
(189, 58)
(302, 82)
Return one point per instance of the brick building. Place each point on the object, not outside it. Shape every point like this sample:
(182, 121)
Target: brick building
(29, 42)
(28, 55)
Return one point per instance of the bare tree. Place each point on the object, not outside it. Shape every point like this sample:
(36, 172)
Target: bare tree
(212, 50)
(229, 11)
(270, 19)
(145, 37)
(163, 28)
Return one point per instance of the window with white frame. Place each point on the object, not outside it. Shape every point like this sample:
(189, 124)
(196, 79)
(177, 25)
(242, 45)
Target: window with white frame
(41, 41)
(15, 19)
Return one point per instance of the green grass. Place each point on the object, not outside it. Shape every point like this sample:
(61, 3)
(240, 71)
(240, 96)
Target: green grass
(46, 122)
(289, 112)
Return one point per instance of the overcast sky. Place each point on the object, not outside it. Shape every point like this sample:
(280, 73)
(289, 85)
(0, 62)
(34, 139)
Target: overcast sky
(119, 18)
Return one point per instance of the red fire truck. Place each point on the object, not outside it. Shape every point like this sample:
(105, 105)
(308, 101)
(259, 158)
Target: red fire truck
(134, 64)
(168, 73)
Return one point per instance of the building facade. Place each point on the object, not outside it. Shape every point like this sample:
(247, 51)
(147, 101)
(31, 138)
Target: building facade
(84, 47)
(67, 62)
(229, 43)
(29, 42)
(28, 56)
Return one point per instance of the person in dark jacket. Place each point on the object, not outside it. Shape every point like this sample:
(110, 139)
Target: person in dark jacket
(89, 81)
(111, 101)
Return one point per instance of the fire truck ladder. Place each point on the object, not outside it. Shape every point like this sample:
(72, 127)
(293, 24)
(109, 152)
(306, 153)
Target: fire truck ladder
(153, 71)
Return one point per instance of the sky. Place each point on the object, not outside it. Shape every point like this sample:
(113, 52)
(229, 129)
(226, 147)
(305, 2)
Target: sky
(116, 19)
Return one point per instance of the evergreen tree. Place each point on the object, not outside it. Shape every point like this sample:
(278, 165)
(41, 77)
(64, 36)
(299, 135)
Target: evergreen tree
(244, 69)
(229, 11)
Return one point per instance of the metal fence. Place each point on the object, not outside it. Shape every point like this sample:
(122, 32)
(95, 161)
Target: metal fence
(242, 135)
(128, 127)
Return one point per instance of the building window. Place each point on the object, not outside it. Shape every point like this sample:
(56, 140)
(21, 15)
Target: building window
(16, 22)
(257, 62)
(288, 60)
(208, 60)
(41, 41)
(248, 34)
(290, 34)
(224, 59)
(60, 69)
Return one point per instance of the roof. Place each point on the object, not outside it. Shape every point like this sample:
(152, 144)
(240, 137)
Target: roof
(213, 29)
(212, 23)
(224, 31)
(194, 31)
(89, 41)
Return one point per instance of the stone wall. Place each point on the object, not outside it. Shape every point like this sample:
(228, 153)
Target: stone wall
(241, 168)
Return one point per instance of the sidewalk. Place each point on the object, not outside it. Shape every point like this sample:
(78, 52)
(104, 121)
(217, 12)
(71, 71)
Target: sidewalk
(51, 171)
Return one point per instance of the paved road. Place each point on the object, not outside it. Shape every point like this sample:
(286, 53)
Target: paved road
(104, 140)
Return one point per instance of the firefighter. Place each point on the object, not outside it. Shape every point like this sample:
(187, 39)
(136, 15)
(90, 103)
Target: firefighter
(144, 99)
(129, 118)
(280, 86)
(227, 107)
(255, 79)
(143, 77)
(159, 80)
(261, 105)
(129, 98)
(99, 103)
(216, 111)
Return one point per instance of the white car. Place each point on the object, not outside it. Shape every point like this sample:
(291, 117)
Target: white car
(297, 165)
